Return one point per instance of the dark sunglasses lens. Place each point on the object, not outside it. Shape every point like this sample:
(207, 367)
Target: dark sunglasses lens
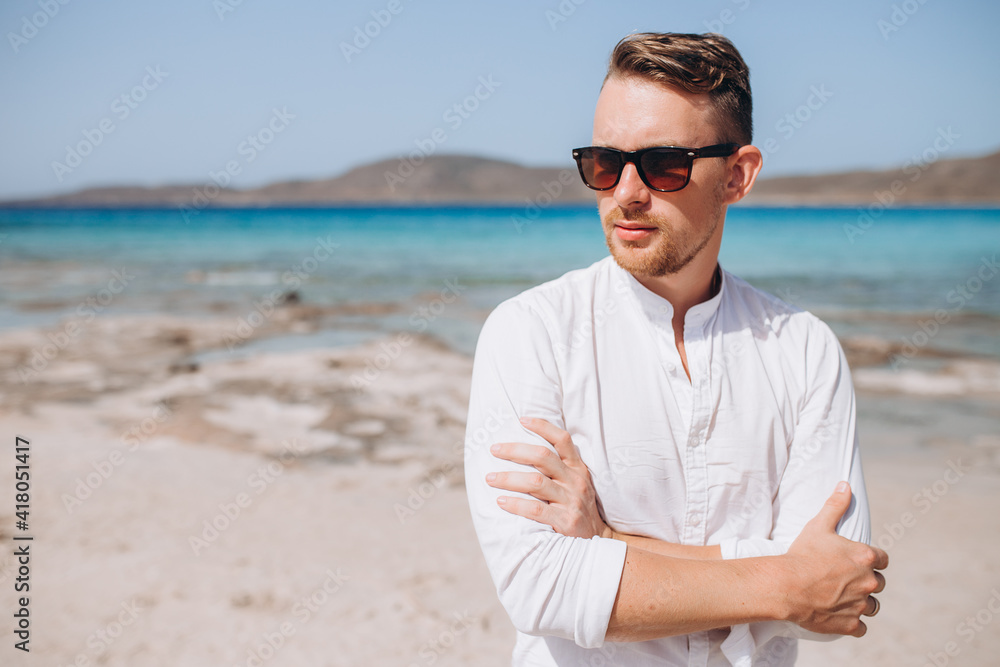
(666, 169)
(600, 167)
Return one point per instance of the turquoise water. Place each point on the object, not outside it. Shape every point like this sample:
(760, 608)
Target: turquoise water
(861, 277)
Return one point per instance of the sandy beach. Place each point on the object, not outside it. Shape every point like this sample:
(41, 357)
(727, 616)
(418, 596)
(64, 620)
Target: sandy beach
(307, 507)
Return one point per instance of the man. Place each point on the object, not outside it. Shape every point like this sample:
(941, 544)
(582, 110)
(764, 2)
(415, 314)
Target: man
(708, 419)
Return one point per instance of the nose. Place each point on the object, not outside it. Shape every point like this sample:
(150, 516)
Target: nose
(631, 192)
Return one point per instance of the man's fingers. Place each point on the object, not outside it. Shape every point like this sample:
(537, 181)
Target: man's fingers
(860, 630)
(557, 437)
(533, 483)
(880, 586)
(838, 502)
(881, 559)
(535, 510)
(542, 459)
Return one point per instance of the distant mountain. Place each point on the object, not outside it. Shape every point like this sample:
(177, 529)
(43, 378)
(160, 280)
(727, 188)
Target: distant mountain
(438, 178)
(468, 179)
(958, 181)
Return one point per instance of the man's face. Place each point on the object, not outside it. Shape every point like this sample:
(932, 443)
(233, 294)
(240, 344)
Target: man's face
(653, 233)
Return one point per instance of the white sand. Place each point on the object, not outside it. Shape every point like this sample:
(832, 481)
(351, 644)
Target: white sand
(369, 505)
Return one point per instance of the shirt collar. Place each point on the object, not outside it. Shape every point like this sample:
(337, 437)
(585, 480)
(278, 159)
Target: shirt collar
(659, 310)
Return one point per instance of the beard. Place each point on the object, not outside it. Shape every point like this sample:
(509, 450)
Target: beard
(669, 251)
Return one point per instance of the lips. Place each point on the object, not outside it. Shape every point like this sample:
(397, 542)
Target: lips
(633, 232)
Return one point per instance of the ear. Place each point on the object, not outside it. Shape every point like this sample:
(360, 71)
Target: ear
(744, 165)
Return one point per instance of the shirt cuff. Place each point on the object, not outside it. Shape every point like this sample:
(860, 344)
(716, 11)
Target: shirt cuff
(595, 609)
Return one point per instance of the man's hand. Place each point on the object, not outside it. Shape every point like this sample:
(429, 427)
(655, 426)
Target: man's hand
(566, 499)
(833, 579)
(824, 583)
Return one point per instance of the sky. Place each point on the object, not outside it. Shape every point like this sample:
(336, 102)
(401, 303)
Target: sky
(153, 93)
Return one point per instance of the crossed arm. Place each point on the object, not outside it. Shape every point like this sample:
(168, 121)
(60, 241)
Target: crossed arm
(630, 588)
(824, 583)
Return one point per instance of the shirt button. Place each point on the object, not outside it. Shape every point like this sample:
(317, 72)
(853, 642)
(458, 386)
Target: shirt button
(694, 519)
(672, 368)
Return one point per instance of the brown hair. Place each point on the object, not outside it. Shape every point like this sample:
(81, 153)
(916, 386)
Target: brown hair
(706, 63)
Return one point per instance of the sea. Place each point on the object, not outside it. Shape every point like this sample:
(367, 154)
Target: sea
(440, 270)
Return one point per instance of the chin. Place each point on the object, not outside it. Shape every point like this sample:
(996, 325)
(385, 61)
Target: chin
(637, 260)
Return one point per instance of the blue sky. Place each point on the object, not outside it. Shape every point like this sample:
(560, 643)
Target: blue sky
(201, 76)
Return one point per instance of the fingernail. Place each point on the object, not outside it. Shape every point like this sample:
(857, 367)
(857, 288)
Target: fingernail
(525, 420)
(501, 500)
(494, 448)
(490, 477)
(842, 487)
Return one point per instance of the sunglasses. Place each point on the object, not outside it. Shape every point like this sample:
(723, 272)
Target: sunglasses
(662, 168)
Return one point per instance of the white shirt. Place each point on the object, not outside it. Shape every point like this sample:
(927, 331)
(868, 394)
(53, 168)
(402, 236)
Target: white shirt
(742, 455)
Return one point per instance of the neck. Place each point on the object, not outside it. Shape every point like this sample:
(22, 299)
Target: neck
(696, 283)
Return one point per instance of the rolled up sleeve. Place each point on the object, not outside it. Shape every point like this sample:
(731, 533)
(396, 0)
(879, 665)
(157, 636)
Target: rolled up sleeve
(549, 584)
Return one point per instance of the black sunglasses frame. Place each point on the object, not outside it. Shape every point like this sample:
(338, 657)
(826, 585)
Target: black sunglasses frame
(635, 157)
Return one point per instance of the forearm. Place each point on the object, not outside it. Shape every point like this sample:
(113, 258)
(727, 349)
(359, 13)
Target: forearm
(652, 545)
(661, 596)
(823, 584)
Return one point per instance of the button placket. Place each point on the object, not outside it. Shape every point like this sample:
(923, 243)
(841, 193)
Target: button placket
(696, 462)
(698, 647)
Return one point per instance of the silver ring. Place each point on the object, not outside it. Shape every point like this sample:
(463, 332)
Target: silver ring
(877, 605)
